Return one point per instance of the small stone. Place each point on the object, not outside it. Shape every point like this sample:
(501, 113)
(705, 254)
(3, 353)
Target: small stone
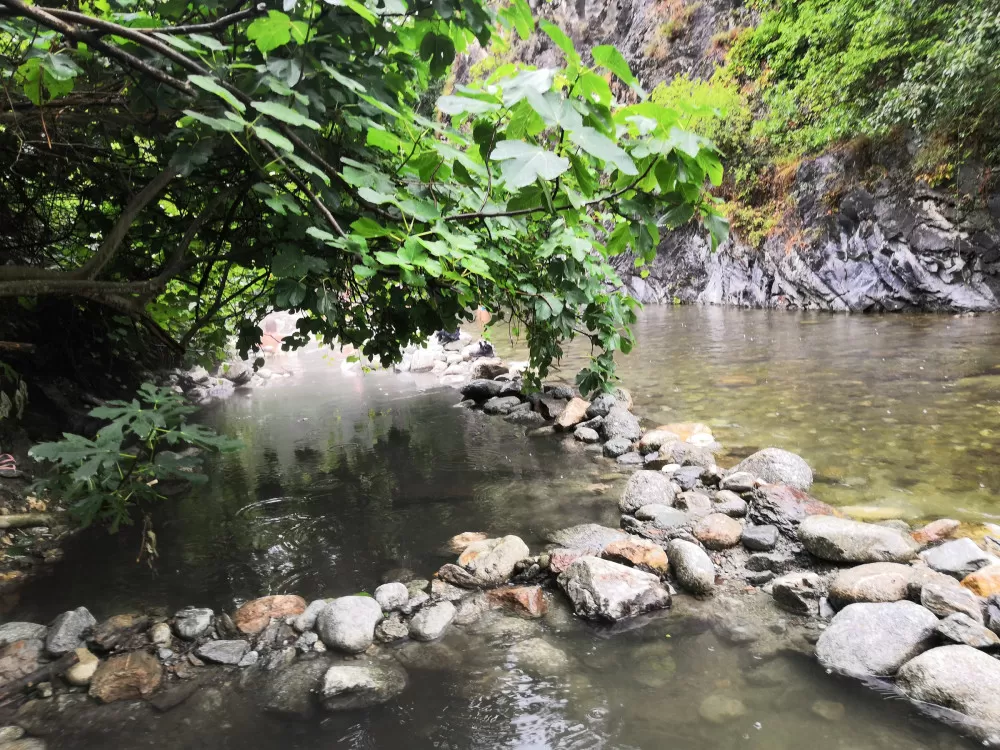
(392, 628)
(492, 561)
(692, 567)
(164, 654)
(829, 710)
(957, 558)
(222, 652)
(348, 623)
(631, 458)
(10, 733)
(798, 593)
(772, 561)
(777, 466)
(307, 620)
(760, 538)
(574, 413)
(687, 477)
(69, 631)
(616, 447)
(160, 635)
(250, 658)
(528, 601)
(663, 516)
(694, 502)
(738, 481)
(873, 582)
(391, 596)
(81, 673)
(784, 507)
(604, 590)
(459, 542)
(619, 422)
(718, 531)
(947, 600)
(431, 622)
(935, 531)
(730, 503)
(960, 628)
(190, 624)
(255, 615)
(20, 658)
(417, 586)
(21, 631)
(586, 435)
(444, 591)
(639, 553)
(721, 709)
(524, 417)
(416, 601)
(129, 676)
(646, 488)
(501, 404)
(984, 582)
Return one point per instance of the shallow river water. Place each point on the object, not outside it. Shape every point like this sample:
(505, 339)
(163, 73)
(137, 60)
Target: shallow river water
(344, 480)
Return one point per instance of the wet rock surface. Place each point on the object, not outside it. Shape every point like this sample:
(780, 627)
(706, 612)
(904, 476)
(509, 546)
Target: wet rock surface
(604, 590)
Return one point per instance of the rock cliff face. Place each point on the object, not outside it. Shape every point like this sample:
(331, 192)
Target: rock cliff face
(858, 234)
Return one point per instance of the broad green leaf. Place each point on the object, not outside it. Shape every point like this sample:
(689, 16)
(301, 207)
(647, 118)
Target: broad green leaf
(363, 272)
(358, 8)
(285, 114)
(207, 84)
(520, 15)
(439, 51)
(563, 42)
(555, 110)
(320, 234)
(457, 105)
(515, 89)
(306, 166)
(216, 123)
(718, 228)
(604, 149)
(208, 42)
(383, 139)
(274, 138)
(420, 210)
(369, 228)
(523, 163)
(607, 56)
(271, 31)
(348, 83)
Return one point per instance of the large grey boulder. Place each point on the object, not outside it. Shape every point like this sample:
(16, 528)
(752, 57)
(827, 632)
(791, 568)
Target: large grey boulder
(69, 631)
(646, 488)
(222, 652)
(193, 622)
(431, 622)
(846, 541)
(21, 631)
(959, 678)
(501, 404)
(352, 686)
(692, 566)
(957, 558)
(876, 639)
(491, 561)
(481, 389)
(605, 590)
(348, 623)
(873, 582)
(777, 466)
(619, 422)
(945, 600)
(291, 690)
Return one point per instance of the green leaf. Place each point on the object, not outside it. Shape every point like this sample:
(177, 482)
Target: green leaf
(216, 123)
(369, 228)
(607, 56)
(439, 51)
(308, 167)
(457, 105)
(560, 39)
(348, 83)
(517, 88)
(271, 31)
(585, 179)
(358, 8)
(285, 114)
(604, 149)
(383, 139)
(523, 163)
(207, 84)
(420, 210)
(363, 272)
(207, 42)
(520, 15)
(273, 137)
(718, 229)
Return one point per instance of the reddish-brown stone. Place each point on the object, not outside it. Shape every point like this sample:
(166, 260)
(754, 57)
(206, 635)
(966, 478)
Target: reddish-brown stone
(459, 542)
(935, 531)
(256, 615)
(126, 677)
(639, 553)
(718, 531)
(560, 559)
(574, 413)
(984, 582)
(524, 600)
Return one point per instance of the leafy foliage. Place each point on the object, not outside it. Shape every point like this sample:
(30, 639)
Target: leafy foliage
(291, 159)
(123, 465)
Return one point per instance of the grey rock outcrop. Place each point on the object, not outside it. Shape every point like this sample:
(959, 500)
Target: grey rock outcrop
(69, 631)
(431, 622)
(842, 540)
(605, 590)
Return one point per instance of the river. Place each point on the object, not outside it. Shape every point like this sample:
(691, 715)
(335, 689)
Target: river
(346, 479)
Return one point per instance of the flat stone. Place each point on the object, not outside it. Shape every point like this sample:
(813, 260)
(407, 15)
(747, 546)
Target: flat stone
(784, 507)
(694, 502)
(492, 561)
(957, 558)
(638, 553)
(730, 503)
(760, 538)
(481, 389)
(20, 658)
(586, 435)
(721, 709)
(646, 488)
(560, 559)
(947, 600)
(444, 591)
(192, 623)
(687, 477)
(876, 639)
(959, 678)
(459, 542)
(574, 413)
(431, 622)
(692, 566)
(632, 458)
(935, 531)
(772, 561)
(501, 404)
(21, 631)
(351, 686)
(984, 582)
(718, 531)
(69, 631)
(663, 516)
(842, 540)
(222, 652)
(256, 615)
(873, 582)
(604, 590)
(131, 676)
(616, 447)
(590, 538)
(119, 632)
(738, 481)
(527, 601)
(538, 656)
(348, 623)
(525, 418)
(799, 593)
(777, 466)
(391, 596)
(960, 628)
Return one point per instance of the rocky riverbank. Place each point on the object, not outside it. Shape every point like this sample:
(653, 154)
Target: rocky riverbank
(746, 552)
